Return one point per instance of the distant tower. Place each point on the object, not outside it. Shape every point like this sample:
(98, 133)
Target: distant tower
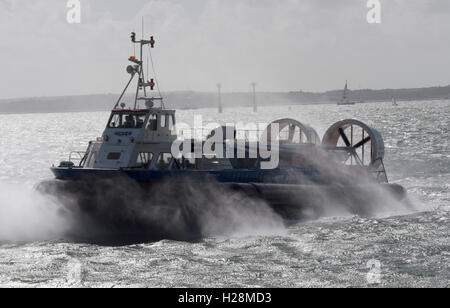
(255, 106)
(219, 88)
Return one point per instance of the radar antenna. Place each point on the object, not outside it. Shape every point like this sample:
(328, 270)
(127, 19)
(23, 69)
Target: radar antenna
(137, 69)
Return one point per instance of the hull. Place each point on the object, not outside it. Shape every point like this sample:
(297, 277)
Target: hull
(282, 189)
(113, 204)
(308, 202)
(286, 176)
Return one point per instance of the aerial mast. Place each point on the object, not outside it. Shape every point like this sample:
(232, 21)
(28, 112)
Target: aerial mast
(219, 88)
(139, 69)
(255, 106)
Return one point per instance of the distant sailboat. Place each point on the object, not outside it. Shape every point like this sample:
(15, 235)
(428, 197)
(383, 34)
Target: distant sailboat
(345, 100)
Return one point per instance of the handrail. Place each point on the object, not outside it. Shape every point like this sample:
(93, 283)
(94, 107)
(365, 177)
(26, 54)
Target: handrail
(80, 154)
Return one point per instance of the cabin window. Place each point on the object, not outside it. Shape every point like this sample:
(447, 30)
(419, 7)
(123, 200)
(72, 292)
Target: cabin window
(171, 122)
(114, 156)
(128, 121)
(91, 160)
(153, 123)
(124, 120)
(144, 160)
(164, 161)
(133, 121)
(163, 120)
(115, 121)
(140, 120)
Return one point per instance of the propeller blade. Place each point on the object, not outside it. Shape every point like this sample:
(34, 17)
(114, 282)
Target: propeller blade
(344, 137)
(363, 142)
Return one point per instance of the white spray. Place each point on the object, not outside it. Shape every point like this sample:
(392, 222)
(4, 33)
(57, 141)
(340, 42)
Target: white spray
(27, 215)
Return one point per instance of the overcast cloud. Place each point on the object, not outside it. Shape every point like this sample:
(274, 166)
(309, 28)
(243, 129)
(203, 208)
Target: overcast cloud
(283, 45)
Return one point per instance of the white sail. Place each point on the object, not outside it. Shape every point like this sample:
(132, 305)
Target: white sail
(345, 97)
(345, 94)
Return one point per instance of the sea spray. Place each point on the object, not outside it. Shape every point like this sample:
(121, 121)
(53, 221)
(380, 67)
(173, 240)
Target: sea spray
(27, 215)
(120, 211)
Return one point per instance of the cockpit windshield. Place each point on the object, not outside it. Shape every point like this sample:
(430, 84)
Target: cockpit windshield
(127, 120)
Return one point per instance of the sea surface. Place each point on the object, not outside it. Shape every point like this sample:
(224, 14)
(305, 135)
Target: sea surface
(397, 248)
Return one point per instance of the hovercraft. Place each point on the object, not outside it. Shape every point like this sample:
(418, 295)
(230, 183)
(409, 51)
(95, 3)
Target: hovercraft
(133, 158)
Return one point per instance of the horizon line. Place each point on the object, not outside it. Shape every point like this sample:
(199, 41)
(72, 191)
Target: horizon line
(226, 92)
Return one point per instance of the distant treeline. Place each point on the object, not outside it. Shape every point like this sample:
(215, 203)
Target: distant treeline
(193, 100)
(368, 95)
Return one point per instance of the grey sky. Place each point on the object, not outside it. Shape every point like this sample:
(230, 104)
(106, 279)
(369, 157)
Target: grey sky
(283, 45)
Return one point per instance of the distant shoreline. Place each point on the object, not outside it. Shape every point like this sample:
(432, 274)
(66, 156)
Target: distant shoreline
(190, 100)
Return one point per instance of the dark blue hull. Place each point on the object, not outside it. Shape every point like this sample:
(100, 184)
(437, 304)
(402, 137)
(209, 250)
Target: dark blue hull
(279, 176)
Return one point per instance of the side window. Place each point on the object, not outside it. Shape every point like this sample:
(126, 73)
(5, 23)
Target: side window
(171, 122)
(91, 160)
(113, 156)
(164, 160)
(144, 160)
(163, 120)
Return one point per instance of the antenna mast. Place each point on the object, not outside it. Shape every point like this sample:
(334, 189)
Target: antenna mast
(255, 106)
(219, 88)
(138, 68)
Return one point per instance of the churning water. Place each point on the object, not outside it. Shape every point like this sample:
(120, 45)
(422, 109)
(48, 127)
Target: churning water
(395, 248)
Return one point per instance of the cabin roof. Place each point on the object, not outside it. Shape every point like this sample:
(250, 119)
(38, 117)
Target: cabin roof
(140, 111)
(130, 111)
